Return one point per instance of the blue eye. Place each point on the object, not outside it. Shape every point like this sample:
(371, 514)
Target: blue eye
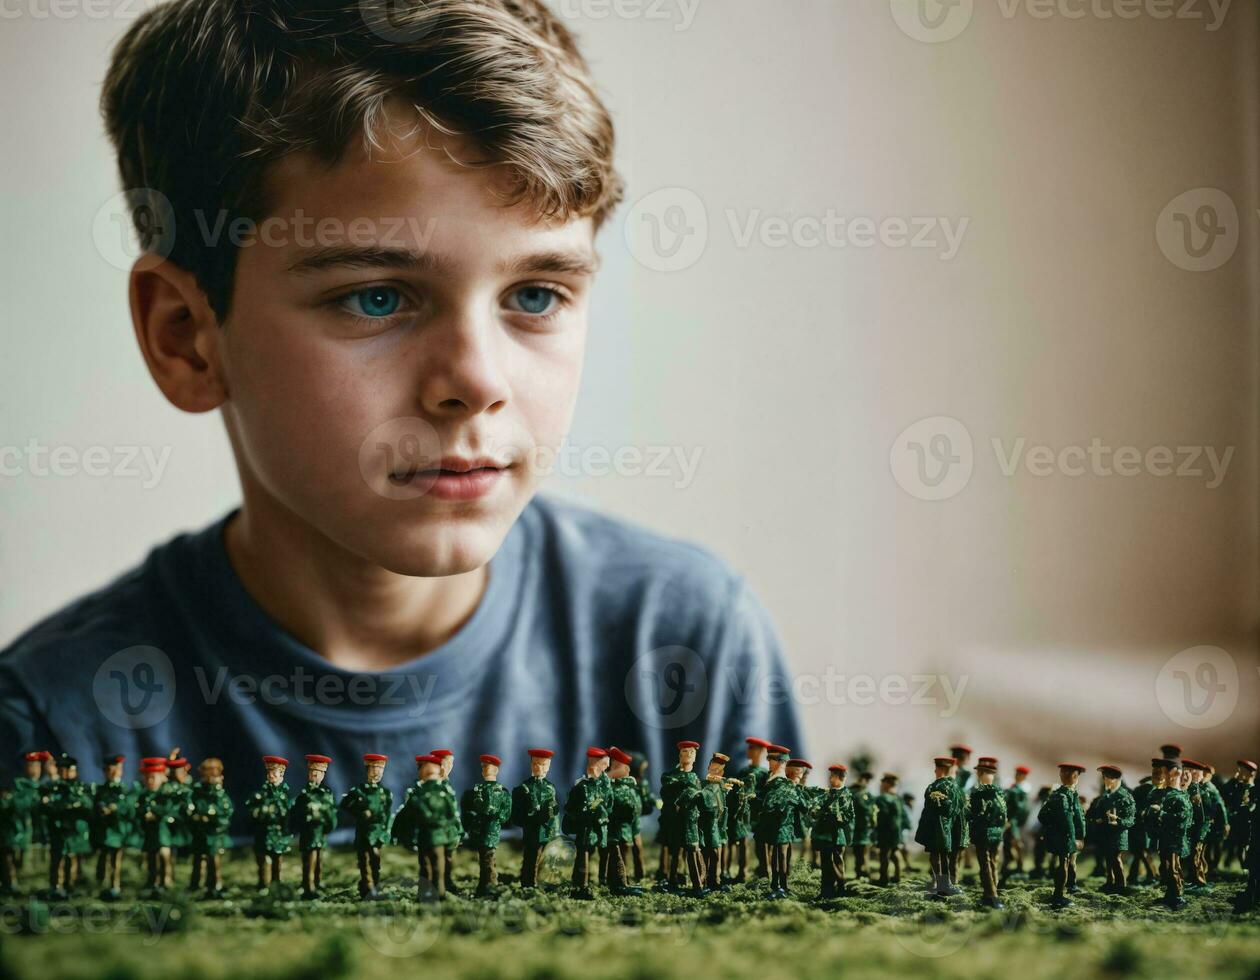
(536, 300)
(374, 301)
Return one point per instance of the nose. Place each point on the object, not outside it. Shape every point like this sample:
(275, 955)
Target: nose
(463, 367)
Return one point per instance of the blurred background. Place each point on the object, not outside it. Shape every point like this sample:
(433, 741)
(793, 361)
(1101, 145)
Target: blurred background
(938, 319)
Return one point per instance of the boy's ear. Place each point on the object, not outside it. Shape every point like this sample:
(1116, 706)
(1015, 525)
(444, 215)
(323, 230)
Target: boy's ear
(178, 334)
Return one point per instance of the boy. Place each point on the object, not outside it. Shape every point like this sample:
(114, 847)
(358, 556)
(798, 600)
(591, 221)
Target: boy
(369, 244)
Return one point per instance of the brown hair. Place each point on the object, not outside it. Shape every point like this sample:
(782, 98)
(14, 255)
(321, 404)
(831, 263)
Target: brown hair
(202, 95)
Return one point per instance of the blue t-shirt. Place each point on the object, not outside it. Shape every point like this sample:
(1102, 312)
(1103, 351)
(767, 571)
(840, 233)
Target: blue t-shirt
(591, 631)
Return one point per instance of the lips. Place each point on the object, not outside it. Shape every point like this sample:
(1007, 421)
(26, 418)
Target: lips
(458, 478)
(449, 466)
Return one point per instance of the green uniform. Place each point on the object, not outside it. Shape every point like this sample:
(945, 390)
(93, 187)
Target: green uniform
(268, 810)
(586, 812)
(1062, 821)
(428, 817)
(713, 816)
(15, 837)
(963, 775)
(113, 813)
(369, 805)
(68, 813)
(209, 816)
(1217, 814)
(891, 821)
(941, 822)
(680, 815)
(1111, 838)
(624, 818)
(155, 816)
(534, 809)
(833, 818)
(1174, 822)
(486, 808)
(742, 801)
(864, 816)
(779, 812)
(180, 794)
(986, 825)
(26, 797)
(313, 816)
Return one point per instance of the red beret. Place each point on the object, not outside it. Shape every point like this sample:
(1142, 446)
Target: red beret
(539, 753)
(1072, 765)
(375, 757)
(944, 760)
(491, 760)
(761, 742)
(596, 753)
(319, 758)
(151, 766)
(688, 745)
(33, 756)
(780, 750)
(838, 767)
(1024, 769)
(275, 760)
(430, 759)
(1109, 770)
(44, 755)
(619, 756)
(1247, 764)
(153, 760)
(960, 747)
(441, 753)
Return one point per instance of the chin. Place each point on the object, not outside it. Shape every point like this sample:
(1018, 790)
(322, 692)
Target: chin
(448, 545)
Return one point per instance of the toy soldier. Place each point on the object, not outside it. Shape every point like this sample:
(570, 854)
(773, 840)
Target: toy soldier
(961, 754)
(1171, 807)
(1239, 795)
(939, 825)
(113, 807)
(1062, 822)
(428, 822)
(179, 785)
(776, 819)
(739, 806)
(1111, 815)
(534, 809)
(865, 813)
(623, 821)
(447, 759)
(907, 804)
(986, 815)
(832, 822)
(15, 833)
(1249, 897)
(209, 816)
(26, 790)
(1200, 824)
(714, 819)
(798, 771)
(649, 803)
(268, 809)
(1140, 842)
(680, 817)
(312, 818)
(155, 817)
(586, 813)
(369, 805)
(68, 812)
(1218, 819)
(1018, 810)
(486, 807)
(48, 779)
(890, 826)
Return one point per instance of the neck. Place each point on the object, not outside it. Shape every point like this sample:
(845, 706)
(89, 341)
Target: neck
(357, 615)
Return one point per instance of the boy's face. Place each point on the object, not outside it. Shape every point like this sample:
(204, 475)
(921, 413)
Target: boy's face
(426, 321)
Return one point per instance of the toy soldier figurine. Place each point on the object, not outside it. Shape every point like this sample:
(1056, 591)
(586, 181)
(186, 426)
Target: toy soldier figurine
(961, 754)
(1111, 815)
(797, 771)
(209, 816)
(68, 811)
(739, 806)
(447, 759)
(268, 809)
(623, 821)
(1140, 842)
(178, 785)
(1249, 897)
(713, 819)
(865, 814)
(907, 804)
(534, 810)
(113, 807)
(938, 831)
(831, 832)
(1018, 810)
(891, 823)
(15, 825)
(428, 822)
(1218, 819)
(777, 814)
(1239, 795)
(26, 790)
(680, 818)
(586, 814)
(649, 803)
(1171, 807)
(155, 817)
(986, 813)
(1063, 830)
(486, 807)
(370, 805)
(1200, 824)
(312, 818)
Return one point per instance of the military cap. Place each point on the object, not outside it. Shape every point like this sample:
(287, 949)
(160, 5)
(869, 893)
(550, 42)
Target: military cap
(839, 767)
(617, 755)
(1166, 763)
(154, 760)
(721, 757)
(1023, 769)
(760, 742)
(429, 759)
(595, 752)
(275, 760)
(1247, 764)
(113, 760)
(319, 760)
(781, 751)
(987, 763)
(441, 753)
(375, 757)
(799, 764)
(1171, 750)
(37, 756)
(960, 747)
(1110, 770)
(153, 765)
(490, 760)
(688, 744)
(539, 753)
(1194, 764)
(1072, 765)
(889, 777)
(944, 760)
(178, 762)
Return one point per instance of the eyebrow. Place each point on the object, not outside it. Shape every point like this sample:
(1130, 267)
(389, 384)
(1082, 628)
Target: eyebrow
(560, 261)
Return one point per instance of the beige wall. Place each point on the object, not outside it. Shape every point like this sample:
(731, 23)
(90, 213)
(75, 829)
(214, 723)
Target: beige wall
(1056, 600)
